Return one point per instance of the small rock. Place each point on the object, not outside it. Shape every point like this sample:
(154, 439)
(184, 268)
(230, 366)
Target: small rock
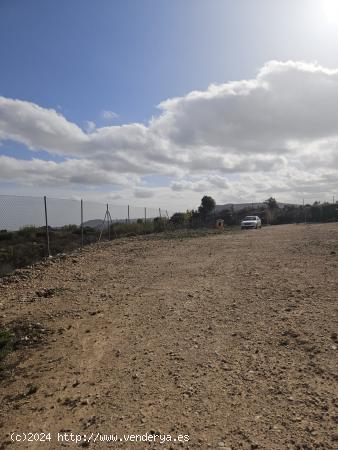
(46, 293)
(90, 421)
(334, 336)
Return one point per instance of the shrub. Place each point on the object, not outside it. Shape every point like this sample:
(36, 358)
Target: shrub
(159, 224)
(178, 218)
(27, 232)
(5, 235)
(69, 228)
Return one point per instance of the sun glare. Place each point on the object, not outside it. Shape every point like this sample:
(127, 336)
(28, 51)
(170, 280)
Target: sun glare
(330, 9)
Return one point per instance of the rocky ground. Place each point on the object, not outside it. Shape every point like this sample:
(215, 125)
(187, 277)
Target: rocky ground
(230, 339)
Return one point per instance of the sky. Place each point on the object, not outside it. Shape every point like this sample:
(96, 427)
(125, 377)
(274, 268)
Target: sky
(158, 102)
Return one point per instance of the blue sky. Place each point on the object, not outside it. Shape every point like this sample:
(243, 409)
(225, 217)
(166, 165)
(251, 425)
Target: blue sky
(81, 58)
(129, 55)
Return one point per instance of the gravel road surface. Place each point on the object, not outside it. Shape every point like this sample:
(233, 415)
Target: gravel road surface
(230, 339)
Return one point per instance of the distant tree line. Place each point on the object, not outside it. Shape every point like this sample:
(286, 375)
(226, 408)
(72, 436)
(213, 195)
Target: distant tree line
(269, 211)
(272, 214)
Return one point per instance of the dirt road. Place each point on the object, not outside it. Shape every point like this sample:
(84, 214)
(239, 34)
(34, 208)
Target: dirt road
(229, 339)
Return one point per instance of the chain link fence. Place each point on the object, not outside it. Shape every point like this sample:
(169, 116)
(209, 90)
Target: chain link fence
(32, 228)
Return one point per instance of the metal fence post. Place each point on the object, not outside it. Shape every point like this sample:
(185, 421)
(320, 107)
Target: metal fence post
(128, 215)
(159, 210)
(108, 222)
(47, 229)
(145, 214)
(81, 224)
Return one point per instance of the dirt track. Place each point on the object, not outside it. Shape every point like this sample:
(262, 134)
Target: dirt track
(230, 339)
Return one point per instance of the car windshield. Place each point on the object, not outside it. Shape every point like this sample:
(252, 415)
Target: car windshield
(250, 218)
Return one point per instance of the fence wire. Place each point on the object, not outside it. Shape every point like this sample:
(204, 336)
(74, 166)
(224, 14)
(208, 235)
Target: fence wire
(34, 227)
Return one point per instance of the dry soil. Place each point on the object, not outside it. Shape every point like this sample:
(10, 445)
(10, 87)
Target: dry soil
(230, 339)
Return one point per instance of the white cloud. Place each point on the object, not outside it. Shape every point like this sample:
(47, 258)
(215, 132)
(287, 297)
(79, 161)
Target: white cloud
(287, 103)
(144, 193)
(109, 115)
(90, 126)
(50, 173)
(39, 128)
(264, 135)
(207, 184)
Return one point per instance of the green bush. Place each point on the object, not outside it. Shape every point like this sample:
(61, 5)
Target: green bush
(132, 229)
(178, 218)
(159, 224)
(41, 232)
(70, 228)
(27, 232)
(5, 235)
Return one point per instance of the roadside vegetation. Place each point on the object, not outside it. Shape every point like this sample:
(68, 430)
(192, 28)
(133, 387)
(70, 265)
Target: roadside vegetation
(16, 335)
(28, 245)
(270, 212)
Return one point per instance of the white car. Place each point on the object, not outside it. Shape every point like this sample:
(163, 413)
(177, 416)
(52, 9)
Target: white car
(251, 222)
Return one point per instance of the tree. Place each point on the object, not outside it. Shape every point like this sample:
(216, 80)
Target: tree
(178, 218)
(271, 203)
(207, 205)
